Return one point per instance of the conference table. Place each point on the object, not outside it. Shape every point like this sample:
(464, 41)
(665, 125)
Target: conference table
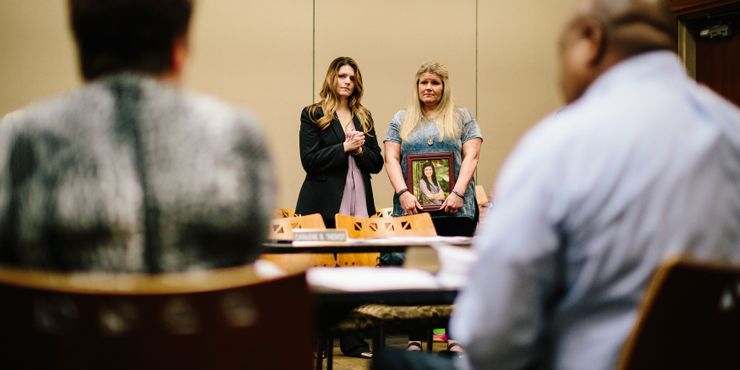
(280, 247)
(338, 291)
(380, 245)
(336, 298)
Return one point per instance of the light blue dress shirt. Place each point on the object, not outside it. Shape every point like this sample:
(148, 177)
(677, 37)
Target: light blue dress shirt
(646, 165)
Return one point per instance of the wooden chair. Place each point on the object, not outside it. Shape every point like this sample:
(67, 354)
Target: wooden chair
(220, 320)
(419, 224)
(281, 229)
(690, 319)
(380, 227)
(358, 228)
(483, 201)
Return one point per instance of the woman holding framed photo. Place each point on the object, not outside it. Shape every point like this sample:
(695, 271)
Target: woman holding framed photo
(433, 129)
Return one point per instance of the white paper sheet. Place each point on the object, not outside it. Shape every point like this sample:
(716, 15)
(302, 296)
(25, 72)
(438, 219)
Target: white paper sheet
(367, 279)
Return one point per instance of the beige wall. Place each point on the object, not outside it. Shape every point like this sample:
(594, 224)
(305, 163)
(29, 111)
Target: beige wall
(517, 73)
(257, 54)
(270, 57)
(37, 56)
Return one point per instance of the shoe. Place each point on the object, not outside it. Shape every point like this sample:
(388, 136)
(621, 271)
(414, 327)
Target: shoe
(366, 355)
(455, 347)
(414, 346)
(353, 345)
(359, 352)
(454, 350)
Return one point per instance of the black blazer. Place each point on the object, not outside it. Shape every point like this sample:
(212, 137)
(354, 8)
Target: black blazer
(325, 161)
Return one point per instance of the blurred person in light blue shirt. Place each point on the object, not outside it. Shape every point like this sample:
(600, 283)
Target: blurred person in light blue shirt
(643, 164)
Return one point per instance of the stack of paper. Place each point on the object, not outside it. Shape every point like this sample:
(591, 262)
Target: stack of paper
(367, 279)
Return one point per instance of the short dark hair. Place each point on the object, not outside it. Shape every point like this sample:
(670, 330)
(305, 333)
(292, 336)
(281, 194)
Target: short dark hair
(127, 35)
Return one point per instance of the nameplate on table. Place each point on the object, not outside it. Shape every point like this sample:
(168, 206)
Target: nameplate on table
(306, 237)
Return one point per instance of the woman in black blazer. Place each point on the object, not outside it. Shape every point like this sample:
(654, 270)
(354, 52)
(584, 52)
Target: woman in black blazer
(339, 151)
(339, 148)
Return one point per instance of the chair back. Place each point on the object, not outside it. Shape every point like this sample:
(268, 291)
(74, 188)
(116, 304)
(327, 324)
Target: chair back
(281, 229)
(419, 224)
(221, 320)
(483, 201)
(480, 195)
(690, 319)
(379, 227)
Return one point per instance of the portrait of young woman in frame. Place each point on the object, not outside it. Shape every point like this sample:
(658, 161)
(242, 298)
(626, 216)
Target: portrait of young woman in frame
(430, 178)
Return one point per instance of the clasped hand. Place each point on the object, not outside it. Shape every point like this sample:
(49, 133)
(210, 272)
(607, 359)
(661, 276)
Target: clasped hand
(353, 140)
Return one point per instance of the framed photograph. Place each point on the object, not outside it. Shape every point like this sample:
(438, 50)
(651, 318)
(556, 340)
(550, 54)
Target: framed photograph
(430, 178)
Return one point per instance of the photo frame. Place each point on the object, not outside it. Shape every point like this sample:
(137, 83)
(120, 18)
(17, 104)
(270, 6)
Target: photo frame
(430, 177)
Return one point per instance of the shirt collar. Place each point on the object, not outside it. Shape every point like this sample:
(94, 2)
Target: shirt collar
(652, 65)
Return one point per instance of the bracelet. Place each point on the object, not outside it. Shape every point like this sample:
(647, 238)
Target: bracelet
(400, 192)
(458, 194)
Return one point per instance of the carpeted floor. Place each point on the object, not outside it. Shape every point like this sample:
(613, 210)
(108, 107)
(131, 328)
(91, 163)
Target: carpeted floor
(342, 362)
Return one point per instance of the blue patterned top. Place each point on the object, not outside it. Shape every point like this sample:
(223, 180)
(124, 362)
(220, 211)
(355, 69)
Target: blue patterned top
(419, 143)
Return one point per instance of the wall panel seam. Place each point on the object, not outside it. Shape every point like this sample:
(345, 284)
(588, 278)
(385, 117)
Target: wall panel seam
(313, 51)
(476, 58)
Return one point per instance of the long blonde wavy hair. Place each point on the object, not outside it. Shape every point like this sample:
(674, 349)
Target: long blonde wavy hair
(330, 99)
(446, 116)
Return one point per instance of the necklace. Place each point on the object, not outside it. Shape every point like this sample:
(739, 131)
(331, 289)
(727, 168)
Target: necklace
(430, 140)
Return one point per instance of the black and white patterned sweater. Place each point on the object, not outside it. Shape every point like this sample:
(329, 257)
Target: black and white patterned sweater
(131, 174)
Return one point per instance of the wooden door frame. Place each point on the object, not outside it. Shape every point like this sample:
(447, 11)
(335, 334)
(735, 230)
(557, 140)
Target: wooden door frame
(685, 10)
(684, 7)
